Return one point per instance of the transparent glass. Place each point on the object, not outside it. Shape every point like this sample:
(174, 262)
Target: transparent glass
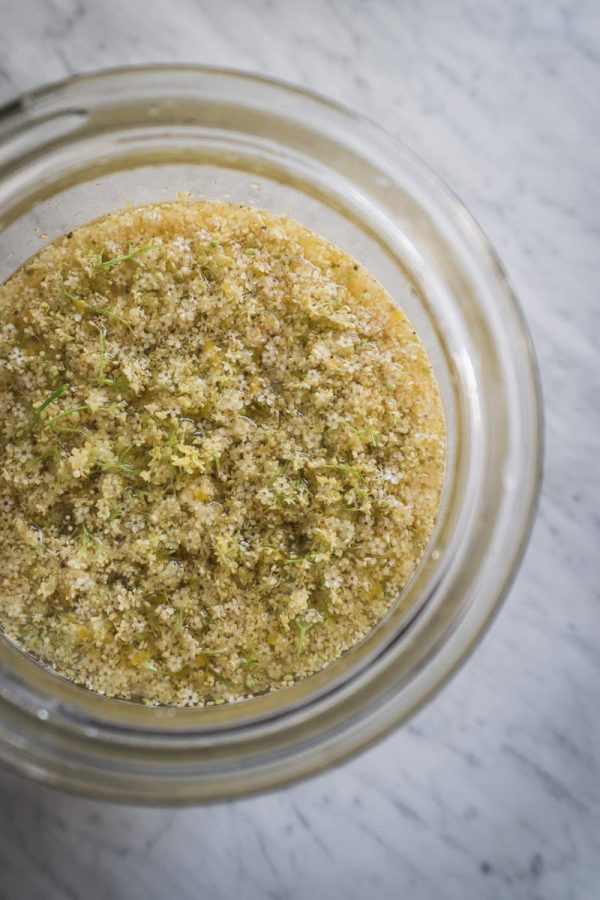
(86, 146)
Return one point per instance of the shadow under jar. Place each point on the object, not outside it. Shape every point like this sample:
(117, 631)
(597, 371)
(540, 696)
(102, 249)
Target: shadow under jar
(83, 148)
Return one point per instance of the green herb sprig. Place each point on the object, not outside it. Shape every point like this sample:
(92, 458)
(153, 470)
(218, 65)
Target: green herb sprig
(93, 309)
(303, 629)
(372, 435)
(39, 409)
(51, 452)
(343, 468)
(295, 560)
(130, 256)
(52, 423)
(251, 664)
(120, 465)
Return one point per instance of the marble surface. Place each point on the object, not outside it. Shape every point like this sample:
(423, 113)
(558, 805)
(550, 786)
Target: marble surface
(493, 790)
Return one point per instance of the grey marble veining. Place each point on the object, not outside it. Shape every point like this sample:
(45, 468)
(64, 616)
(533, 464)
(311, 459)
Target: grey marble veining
(493, 790)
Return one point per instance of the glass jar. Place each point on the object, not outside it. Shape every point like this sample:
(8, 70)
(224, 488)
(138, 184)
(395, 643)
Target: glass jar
(79, 149)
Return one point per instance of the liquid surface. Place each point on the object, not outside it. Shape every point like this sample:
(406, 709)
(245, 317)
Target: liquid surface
(222, 453)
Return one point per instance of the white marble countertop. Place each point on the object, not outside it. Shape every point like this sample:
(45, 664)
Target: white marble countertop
(493, 790)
